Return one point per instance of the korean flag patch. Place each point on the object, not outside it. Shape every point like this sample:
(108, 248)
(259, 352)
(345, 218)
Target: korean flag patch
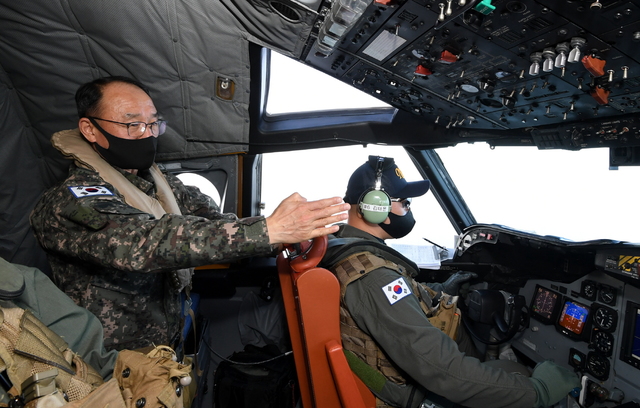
(88, 191)
(396, 290)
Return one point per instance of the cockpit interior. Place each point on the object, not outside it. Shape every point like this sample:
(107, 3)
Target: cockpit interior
(539, 74)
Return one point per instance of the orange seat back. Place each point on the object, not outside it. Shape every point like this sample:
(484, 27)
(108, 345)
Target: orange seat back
(312, 299)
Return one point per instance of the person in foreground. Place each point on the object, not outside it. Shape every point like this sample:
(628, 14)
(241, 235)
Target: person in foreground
(391, 344)
(30, 289)
(122, 237)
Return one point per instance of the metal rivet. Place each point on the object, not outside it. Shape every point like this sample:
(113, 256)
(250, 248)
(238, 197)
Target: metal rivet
(126, 373)
(141, 403)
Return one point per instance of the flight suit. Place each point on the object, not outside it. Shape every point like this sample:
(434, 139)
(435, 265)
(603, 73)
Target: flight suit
(117, 261)
(426, 357)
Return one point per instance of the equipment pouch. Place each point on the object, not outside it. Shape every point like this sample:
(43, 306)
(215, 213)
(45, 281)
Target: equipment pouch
(153, 379)
(446, 316)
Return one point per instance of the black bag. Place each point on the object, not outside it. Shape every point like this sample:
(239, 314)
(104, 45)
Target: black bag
(269, 384)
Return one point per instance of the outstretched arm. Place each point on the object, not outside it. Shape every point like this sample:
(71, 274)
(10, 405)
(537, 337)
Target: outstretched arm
(296, 219)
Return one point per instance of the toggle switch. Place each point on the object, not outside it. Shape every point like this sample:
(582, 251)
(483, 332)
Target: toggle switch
(594, 65)
(625, 72)
(447, 57)
(441, 16)
(423, 71)
(601, 95)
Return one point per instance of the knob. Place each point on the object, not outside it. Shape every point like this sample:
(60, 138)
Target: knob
(576, 45)
(596, 5)
(549, 55)
(448, 11)
(562, 50)
(535, 58)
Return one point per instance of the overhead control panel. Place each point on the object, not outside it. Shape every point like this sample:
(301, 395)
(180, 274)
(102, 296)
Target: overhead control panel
(501, 64)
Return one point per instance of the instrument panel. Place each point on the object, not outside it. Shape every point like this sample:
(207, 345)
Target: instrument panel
(592, 326)
(507, 65)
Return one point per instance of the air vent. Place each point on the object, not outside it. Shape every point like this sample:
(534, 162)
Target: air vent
(285, 11)
(406, 16)
(538, 24)
(632, 82)
(510, 37)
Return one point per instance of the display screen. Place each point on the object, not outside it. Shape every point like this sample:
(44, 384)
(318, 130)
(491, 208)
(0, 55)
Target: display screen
(574, 317)
(544, 305)
(630, 349)
(635, 342)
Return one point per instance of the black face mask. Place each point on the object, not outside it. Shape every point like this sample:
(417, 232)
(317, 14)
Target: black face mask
(127, 153)
(400, 225)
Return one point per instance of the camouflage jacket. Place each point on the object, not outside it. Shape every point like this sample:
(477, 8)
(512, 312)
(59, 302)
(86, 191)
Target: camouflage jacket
(114, 259)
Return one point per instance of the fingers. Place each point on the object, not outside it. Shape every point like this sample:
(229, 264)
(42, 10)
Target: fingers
(318, 232)
(322, 222)
(297, 219)
(323, 203)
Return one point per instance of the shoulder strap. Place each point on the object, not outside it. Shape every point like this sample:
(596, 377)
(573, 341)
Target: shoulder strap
(72, 145)
(353, 245)
(358, 265)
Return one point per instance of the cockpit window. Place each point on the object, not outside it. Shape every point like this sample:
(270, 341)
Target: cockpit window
(291, 82)
(322, 173)
(569, 194)
(205, 186)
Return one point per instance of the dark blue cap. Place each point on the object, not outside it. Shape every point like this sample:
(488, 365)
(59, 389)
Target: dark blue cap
(393, 181)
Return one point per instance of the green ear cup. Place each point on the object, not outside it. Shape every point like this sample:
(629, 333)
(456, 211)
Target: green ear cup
(375, 206)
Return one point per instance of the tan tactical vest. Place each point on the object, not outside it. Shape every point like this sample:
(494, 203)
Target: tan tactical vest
(361, 344)
(28, 347)
(73, 145)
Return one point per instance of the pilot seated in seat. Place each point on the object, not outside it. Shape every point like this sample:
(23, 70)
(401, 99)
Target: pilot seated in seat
(389, 340)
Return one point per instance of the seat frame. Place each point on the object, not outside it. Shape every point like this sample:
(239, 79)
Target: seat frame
(312, 299)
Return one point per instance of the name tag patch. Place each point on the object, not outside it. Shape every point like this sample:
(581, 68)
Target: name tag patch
(396, 290)
(88, 191)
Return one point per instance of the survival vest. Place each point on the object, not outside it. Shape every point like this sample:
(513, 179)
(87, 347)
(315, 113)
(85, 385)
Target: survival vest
(72, 145)
(360, 258)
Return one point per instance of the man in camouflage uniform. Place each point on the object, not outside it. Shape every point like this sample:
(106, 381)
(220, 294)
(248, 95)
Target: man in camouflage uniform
(386, 332)
(121, 236)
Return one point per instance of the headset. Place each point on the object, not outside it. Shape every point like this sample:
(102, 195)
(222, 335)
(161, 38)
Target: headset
(375, 203)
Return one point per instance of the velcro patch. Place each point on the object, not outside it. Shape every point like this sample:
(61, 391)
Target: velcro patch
(88, 191)
(396, 290)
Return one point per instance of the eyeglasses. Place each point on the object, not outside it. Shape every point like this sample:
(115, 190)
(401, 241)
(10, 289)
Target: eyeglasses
(137, 129)
(406, 202)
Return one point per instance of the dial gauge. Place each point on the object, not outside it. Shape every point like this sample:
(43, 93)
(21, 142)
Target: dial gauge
(589, 290)
(598, 366)
(605, 318)
(607, 295)
(603, 342)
